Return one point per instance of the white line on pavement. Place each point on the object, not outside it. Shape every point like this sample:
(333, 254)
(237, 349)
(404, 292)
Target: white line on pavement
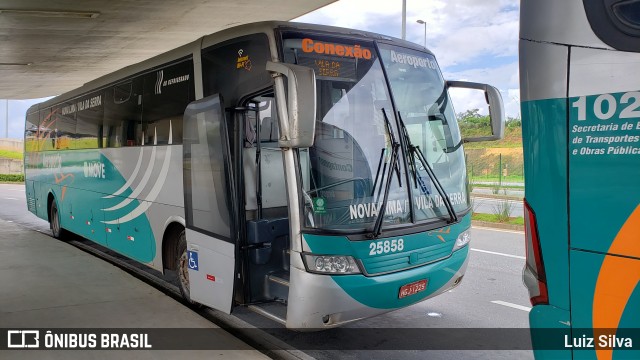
(10, 198)
(498, 230)
(498, 253)
(512, 305)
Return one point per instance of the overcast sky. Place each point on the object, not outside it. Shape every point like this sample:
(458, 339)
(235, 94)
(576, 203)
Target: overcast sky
(473, 40)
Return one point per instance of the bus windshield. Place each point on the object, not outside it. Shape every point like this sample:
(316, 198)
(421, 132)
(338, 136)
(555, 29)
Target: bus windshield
(345, 173)
(424, 107)
(356, 158)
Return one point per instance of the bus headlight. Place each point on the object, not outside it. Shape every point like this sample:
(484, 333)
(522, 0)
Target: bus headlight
(462, 240)
(331, 264)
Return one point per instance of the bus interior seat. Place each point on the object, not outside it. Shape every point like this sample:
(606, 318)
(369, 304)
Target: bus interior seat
(274, 232)
(274, 197)
(268, 130)
(161, 129)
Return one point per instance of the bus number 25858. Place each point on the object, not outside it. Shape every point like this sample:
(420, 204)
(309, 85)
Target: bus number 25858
(387, 246)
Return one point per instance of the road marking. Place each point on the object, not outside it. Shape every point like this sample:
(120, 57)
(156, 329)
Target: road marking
(497, 253)
(498, 230)
(512, 305)
(10, 198)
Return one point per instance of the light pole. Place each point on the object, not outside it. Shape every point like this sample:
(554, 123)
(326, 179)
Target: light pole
(425, 30)
(6, 126)
(404, 19)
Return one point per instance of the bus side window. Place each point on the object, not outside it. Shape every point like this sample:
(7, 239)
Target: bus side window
(31, 133)
(89, 118)
(167, 92)
(58, 125)
(122, 114)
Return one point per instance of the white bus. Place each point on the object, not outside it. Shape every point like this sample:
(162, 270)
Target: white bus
(313, 174)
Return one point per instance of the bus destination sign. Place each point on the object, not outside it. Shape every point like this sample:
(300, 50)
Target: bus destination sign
(330, 68)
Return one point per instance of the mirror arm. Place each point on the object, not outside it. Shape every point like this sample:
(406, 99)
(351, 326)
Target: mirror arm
(281, 107)
(300, 104)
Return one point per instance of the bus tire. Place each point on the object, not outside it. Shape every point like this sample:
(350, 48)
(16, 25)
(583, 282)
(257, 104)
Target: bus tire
(54, 222)
(182, 269)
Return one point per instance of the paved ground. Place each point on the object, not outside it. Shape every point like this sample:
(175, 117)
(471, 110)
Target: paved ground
(49, 284)
(490, 191)
(490, 296)
(496, 206)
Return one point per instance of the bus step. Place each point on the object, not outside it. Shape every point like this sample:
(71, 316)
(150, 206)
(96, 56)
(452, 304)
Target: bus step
(275, 311)
(277, 286)
(279, 278)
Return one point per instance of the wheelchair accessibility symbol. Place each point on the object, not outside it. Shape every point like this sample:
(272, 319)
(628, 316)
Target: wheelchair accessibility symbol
(193, 260)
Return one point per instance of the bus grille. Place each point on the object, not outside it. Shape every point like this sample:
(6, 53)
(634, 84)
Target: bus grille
(396, 262)
(31, 203)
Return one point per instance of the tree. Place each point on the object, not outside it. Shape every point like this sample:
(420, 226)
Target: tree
(468, 115)
(513, 122)
(473, 119)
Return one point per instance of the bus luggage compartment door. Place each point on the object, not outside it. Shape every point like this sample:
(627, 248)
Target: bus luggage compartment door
(208, 204)
(211, 270)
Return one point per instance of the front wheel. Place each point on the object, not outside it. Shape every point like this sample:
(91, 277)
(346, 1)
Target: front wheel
(54, 222)
(182, 267)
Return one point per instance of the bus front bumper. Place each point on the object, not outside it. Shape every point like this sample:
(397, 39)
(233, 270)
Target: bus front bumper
(319, 302)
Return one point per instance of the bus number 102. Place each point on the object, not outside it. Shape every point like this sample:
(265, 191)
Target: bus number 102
(606, 105)
(383, 247)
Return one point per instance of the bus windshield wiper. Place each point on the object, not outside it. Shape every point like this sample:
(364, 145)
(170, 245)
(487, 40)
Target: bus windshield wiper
(415, 152)
(383, 151)
(393, 166)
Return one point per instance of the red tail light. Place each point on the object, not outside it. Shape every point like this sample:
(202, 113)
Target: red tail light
(534, 276)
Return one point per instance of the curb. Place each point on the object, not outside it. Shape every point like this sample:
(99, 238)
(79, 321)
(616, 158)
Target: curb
(492, 196)
(255, 337)
(487, 224)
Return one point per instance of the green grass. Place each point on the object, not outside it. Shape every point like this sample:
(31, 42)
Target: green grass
(494, 219)
(11, 178)
(512, 139)
(10, 154)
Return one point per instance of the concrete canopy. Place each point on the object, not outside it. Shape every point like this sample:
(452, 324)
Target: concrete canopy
(50, 47)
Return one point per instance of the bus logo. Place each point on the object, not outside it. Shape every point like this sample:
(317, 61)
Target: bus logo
(243, 62)
(159, 77)
(318, 47)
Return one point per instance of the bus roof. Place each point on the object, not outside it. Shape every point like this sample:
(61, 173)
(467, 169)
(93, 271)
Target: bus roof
(188, 50)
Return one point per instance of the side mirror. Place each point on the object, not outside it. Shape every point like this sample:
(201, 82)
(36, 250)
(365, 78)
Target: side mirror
(496, 108)
(298, 117)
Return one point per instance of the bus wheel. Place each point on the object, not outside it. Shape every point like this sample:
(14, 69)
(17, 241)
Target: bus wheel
(182, 267)
(54, 222)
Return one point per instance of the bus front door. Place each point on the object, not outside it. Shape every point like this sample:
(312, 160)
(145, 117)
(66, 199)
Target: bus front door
(208, 204)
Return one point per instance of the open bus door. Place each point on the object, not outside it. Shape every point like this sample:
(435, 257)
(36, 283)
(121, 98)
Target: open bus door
(208, 186)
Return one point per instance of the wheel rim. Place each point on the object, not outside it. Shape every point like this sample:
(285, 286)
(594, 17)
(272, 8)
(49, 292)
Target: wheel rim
(183, 273)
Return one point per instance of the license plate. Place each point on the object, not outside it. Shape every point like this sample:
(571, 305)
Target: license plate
(413, 288)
